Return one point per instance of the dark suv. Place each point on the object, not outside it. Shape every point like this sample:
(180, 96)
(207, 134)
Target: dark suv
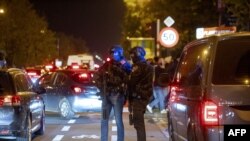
(21, 107)
(211, 88)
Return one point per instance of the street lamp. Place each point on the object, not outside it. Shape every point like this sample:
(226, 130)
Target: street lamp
(2, 11)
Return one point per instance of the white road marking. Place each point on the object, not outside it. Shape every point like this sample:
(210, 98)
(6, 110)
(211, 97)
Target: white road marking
(86, 136)
(65, 128)
(114, 128)
(71, 121)
(113, 121)
(58, 138)
(113, 138)
(125, 110)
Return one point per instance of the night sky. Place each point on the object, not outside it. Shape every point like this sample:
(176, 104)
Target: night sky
(98, 22)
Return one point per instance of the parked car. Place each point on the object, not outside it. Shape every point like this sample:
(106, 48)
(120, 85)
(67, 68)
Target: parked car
(70, 91)
(210, 88)
(22, 110)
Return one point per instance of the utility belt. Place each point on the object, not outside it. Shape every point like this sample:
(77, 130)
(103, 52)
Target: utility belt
(114, 90)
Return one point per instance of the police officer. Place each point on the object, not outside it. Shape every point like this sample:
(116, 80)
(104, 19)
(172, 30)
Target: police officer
(140, 89)
(111, 79)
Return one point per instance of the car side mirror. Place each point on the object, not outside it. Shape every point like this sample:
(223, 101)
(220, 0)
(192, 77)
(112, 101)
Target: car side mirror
(164, 79)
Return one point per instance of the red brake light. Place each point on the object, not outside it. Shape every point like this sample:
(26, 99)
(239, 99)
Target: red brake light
(77, 89)
(75, 67)
(10, 101)
(173, 90)
(210, 113)
(32, 73)
(108, 59)
(49, 67)
(83, 75)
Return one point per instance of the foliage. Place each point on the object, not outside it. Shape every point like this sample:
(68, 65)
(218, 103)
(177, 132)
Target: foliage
(240, 9)
(25, 36)
(69, 45)
(188, 15)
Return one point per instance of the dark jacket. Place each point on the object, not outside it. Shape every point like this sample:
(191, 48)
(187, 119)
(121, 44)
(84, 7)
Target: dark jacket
(141, 81)
(157, 71)
(112, 77)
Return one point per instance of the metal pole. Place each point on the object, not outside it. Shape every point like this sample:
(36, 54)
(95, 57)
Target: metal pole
(157, 36)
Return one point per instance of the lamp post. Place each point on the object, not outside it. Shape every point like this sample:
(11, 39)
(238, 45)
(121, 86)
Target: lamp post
(2, 11)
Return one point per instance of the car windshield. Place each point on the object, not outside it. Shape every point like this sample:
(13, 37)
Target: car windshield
(5, 84)
(232, 62)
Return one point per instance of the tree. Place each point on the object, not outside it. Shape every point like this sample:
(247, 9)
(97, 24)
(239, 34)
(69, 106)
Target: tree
(239, 10)
(25, 36)
(188, 15)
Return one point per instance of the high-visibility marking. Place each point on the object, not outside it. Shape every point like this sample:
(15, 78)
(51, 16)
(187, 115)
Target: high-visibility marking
(113, 121)
(65, 128)
(114, 138)
(114, 128)
(71, 121)
(58, 138)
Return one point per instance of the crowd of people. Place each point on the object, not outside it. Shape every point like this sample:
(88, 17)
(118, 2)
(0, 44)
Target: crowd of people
(135, 83)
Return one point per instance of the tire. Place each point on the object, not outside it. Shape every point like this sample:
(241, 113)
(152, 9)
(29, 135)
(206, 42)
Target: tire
(41, 130)
(65, 109)
(27, 135)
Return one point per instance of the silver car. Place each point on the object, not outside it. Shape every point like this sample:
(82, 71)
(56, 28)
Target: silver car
(70, 91)
(210, 90)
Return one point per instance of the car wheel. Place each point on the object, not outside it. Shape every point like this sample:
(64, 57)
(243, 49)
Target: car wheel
(65, 109)
(27, 135)
(41, 130)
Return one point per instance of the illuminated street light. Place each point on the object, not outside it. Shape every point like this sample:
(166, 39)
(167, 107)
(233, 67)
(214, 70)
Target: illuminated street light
(1, 11)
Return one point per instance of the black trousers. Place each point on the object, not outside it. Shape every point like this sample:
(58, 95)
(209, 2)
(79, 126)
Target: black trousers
(139, 108)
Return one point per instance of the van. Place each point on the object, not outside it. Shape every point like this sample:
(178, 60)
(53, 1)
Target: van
(85, 60)
(210, 89)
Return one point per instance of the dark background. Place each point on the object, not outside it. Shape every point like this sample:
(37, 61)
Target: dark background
(98, 22)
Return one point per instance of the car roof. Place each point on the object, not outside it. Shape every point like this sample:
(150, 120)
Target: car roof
(218, 38)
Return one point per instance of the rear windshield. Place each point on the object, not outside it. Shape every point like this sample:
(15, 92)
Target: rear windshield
(83, 77)
(232, 62)
(5, 84)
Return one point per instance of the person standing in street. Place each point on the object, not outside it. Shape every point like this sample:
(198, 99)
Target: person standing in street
(140, 90)
(111, 78)
(160, 91)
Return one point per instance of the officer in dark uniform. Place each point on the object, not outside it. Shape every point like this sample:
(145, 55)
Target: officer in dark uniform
(111, 78)
(140, 89)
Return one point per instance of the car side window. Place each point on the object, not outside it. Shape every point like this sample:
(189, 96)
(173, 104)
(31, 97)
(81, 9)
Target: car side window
(191, 66)
(46, 79)
(60, 79)
(22, 83)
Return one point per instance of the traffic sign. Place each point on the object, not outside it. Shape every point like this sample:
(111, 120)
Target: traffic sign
(168, 37)
(169, 21)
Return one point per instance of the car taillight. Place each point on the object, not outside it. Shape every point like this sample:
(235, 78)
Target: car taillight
(48, 67)
(10, 101)
(77, 89)
(75, 67)
(32, 73)
(83, 75)
(210, 113)
(173, 90)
